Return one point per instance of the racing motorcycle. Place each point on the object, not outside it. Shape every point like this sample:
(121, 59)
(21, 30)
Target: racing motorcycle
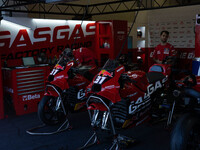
(65, 91)
(119, 99)
(186, 132)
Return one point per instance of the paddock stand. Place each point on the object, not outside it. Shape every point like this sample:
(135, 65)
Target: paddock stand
(37, 130)
(94, 140)
(170, 116)
(91, 141)
(119, 142)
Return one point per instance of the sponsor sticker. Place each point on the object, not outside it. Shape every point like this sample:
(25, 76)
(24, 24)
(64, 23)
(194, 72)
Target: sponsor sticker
(30, 97)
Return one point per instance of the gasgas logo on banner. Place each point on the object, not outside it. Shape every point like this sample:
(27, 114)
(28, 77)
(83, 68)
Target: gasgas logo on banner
(43, 36)
(30, 97)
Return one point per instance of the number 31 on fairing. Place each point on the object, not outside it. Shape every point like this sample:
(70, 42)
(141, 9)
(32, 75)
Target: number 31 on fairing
(99, 80)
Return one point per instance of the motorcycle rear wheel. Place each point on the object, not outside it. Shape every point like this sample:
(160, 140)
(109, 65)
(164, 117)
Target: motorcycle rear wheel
(47, 112)
(186, 133)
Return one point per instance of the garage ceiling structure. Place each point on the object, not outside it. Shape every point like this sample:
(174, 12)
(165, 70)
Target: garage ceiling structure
(77, 8)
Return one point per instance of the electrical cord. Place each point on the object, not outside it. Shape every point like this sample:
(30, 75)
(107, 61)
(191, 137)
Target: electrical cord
(86, 8)
(128, 33)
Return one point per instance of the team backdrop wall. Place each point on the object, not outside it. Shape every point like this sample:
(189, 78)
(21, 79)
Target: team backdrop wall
(25, 37)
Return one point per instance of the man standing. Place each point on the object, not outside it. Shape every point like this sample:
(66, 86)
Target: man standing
(163, 49)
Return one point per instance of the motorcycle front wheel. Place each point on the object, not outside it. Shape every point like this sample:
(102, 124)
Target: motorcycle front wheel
(47, 112)
(186, 133)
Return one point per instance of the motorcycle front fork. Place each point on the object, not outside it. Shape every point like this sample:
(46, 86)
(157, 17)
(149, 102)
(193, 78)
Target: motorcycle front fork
(102, 121)
(59, 100)
(95, 122)
(59, 103)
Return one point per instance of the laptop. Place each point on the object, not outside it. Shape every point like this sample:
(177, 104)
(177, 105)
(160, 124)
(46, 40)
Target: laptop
(28, 61)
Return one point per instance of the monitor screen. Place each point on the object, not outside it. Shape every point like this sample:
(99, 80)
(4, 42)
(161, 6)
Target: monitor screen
(28, 61)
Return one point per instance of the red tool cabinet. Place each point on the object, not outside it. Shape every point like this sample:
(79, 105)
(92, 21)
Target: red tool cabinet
(110, 36)
(24, 88)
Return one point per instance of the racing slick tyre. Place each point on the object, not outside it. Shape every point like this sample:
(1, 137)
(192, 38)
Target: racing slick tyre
(47, 112)
(186, 135)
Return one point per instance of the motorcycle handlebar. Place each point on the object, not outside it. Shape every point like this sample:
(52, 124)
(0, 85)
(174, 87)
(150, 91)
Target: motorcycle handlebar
(189, 83)
(186, 81)
(72, 72)
(75, 70)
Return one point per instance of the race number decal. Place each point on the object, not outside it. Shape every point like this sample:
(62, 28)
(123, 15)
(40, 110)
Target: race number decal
(99, 80)
(54, 71)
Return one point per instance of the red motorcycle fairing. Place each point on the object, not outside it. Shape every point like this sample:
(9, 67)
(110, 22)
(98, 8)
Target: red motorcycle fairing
(65, 91)
(140, 77)
(110, 88)
(137, 90)
(78, 81)
(59, 80)
(139, 93)
(127, 105)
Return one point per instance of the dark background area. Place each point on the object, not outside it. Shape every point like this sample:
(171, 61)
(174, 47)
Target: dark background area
(14, 137)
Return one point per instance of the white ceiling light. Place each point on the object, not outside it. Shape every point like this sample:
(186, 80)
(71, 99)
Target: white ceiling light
(11, 25)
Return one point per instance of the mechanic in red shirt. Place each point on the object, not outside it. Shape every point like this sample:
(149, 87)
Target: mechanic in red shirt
(84, 56)
(163, 49)
(84, 61)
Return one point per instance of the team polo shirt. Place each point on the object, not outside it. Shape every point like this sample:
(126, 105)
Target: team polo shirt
(161, 51)
(84, 56)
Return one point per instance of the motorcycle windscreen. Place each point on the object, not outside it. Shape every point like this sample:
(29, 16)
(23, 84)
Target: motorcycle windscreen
(111, 65)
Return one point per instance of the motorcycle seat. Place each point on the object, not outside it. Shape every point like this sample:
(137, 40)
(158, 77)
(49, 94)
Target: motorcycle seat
(152, 77)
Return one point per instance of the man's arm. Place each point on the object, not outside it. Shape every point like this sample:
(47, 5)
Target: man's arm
(172, 56)
(155, 59)
(173, 52)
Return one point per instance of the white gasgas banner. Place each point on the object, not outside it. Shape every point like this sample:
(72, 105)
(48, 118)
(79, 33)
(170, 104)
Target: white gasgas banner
(26, 37)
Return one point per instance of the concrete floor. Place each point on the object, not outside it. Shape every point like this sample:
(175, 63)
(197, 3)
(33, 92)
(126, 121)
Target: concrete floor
(13, 135)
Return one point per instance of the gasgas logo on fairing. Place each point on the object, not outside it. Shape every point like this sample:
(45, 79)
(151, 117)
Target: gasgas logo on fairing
(153, 87)
(142, 102)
